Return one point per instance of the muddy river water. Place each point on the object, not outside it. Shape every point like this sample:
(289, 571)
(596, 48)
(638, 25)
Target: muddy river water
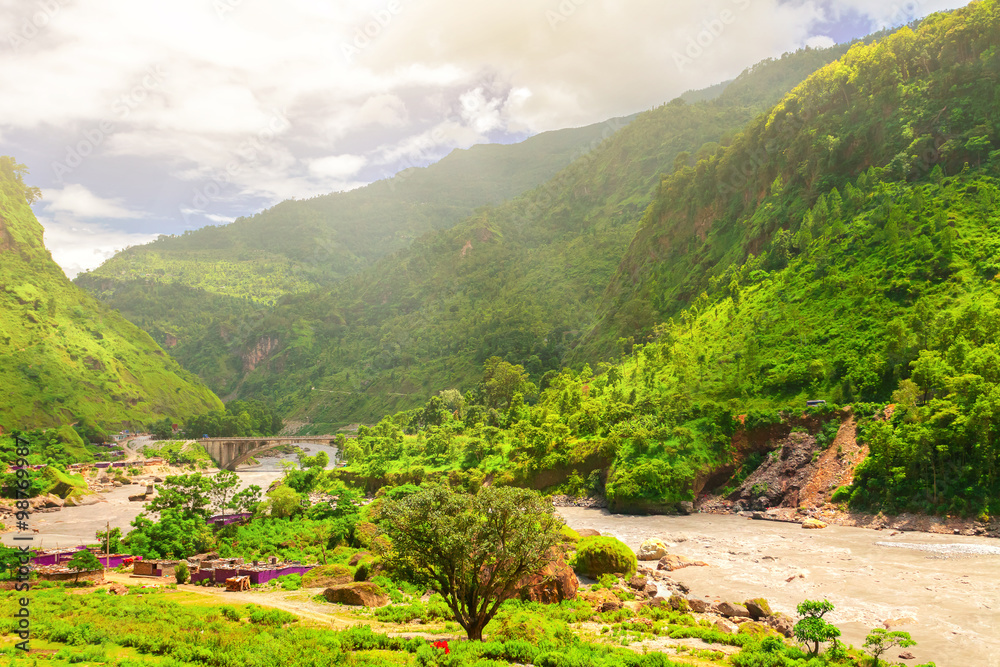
(944, 590)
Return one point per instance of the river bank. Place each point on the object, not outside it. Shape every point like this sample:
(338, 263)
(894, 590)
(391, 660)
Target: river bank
(942, 589)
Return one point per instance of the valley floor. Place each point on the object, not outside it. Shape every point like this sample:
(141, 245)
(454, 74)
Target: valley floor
(943, 590)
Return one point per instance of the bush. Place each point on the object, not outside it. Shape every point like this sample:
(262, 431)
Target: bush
(290, 582)
(181, 573)
(599, 555)
(842, 494)
(569, 535)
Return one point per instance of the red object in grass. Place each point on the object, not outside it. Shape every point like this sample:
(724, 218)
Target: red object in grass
(441, 644)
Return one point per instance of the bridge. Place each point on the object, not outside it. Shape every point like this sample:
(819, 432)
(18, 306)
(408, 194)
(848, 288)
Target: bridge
(231, 452)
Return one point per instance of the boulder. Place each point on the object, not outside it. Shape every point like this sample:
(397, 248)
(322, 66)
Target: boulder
(358, 594)
(117, 589)
(603, 600)
(588, 532)
(53, 501)
(756, 629)
(652, 549)
(552, 584)
(638, 582)
(731, 610)
(685, 507)
(672, 562)
(758, 608)
(327, 575)
(677, 603)
(699, 605)
(782, 623)
(604, 555)
(725, 627)
(906, 655)
(356, 558)
(811, 523)
(651, 590)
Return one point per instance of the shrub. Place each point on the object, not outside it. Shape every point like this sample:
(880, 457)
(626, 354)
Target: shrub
(842, 494)
(181, 573)
(569, 535)
(599, 555)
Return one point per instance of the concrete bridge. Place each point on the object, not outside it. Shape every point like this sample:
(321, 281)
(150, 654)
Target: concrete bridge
(231, 452)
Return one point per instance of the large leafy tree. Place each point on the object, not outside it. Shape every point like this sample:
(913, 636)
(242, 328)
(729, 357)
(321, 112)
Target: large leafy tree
(474, 549)
(175, 535)
(190, 494)
(223, 490)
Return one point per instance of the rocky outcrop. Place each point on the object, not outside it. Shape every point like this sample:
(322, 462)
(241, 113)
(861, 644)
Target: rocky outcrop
(782, 623)
(551, 585)
(672, 562)
(778, 480)
(652, 549)
(327, 575)
(358, 594)
(603, 600)
(758, 608)
(732, 610)
(256, 354)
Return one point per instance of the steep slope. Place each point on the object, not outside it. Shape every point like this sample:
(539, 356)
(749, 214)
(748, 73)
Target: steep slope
(199, 293)
(881, 290)
(64, 356)
(913, 101)
(518, 281)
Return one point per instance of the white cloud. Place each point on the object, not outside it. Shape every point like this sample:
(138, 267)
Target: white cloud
(78, 202)
(820, 42)
(258, 102)
(77, 247)
(337, 166)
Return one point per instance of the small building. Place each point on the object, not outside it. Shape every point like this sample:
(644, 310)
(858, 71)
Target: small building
(813, 404)
(154, 568)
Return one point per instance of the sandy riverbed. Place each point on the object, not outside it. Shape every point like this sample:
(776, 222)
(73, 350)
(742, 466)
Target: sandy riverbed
(948, 586)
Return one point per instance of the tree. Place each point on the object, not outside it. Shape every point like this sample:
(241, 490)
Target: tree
(501, 380)
(223, 489)
(176, 533)
(246, 500)
(187, 493)
(111, 540)
(283, 502)
(181, 572)
(880, 640)
(84, 561)
(811, 628)
(10, 560)
(474, 549)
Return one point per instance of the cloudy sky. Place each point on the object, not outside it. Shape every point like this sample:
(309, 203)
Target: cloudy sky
(138, 118)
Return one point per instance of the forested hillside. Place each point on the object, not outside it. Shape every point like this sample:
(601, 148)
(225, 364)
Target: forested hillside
(917, 99)
(519, 281)
(868, 278)
(64, 356)
(193, 291)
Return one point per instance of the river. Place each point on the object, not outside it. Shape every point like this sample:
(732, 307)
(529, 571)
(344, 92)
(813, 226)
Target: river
(78, 525)
(944, 590)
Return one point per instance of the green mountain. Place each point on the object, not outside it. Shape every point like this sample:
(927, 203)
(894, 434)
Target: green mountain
(520, 280)
(211, 286)
(910, 103)
(64, 356)
(845, 246)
